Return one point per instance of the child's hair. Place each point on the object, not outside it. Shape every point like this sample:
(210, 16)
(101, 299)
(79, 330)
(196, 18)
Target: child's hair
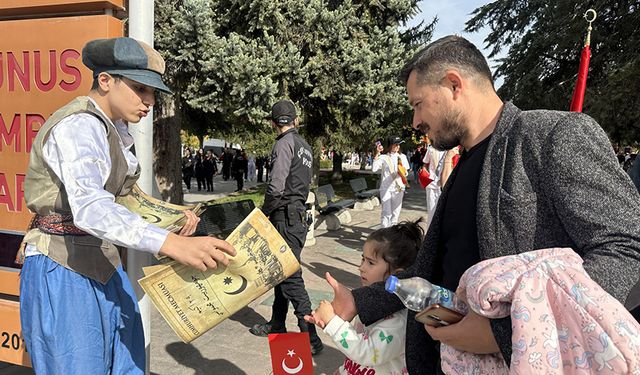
(398, 245)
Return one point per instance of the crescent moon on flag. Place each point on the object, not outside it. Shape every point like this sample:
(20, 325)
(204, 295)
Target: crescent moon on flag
(241, 289)
(290, 370)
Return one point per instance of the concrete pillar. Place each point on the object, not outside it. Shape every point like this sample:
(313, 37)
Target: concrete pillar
(311, 210)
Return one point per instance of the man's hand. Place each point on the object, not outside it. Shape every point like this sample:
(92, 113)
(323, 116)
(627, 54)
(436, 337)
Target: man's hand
(343, 303)
(201, 253)
(192, 223)
(472, 334)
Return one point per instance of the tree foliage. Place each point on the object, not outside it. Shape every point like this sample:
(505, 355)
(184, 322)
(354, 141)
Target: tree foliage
(543, 41)
(230, 60)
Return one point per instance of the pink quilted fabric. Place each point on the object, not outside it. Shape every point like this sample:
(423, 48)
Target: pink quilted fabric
(563, 322)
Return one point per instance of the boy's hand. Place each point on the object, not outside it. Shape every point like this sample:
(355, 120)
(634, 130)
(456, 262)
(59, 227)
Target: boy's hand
(472, 334)
(192, 223)
(201, 253)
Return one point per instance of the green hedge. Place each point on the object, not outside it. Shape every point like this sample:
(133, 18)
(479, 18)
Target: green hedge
(326, 164)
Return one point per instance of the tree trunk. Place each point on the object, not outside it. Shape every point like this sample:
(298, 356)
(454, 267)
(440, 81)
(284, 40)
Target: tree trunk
(167, 160)
(201, 140)
(336, 176)
(316, 150)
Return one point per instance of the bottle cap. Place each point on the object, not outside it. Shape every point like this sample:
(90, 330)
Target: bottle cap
(390, 285)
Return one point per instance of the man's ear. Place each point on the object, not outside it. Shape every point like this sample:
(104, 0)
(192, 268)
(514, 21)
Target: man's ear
(454, 82)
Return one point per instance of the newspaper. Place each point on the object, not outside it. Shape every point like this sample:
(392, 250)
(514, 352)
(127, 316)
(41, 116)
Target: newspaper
(192, 302)
(159, 213)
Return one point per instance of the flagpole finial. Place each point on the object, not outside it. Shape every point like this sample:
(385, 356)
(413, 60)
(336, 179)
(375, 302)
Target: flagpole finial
(590, 15)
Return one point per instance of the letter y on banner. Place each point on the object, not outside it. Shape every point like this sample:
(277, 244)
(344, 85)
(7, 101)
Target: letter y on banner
(290, 353)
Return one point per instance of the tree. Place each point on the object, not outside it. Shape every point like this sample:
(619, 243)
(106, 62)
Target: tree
(544, 40)
(337, 60)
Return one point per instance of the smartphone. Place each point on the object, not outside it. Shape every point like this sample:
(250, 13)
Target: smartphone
(438, 316)
(378, 143)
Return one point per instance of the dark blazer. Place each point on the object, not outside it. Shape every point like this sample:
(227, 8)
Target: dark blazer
(549, 179)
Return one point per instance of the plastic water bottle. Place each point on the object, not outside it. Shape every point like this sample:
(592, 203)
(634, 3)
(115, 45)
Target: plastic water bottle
(417, 293)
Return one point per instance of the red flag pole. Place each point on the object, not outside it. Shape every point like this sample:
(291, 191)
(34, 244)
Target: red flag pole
(583, 71)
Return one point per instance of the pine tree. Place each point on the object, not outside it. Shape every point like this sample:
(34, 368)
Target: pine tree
(337, 60)
(543, 40)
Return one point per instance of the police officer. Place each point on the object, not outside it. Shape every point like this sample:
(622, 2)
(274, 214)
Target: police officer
(284, 204)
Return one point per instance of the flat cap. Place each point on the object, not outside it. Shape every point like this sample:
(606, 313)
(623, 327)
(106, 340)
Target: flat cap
(126, 57)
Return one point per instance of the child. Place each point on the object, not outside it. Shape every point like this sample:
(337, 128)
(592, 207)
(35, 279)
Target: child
(392, 185)
(378, 348)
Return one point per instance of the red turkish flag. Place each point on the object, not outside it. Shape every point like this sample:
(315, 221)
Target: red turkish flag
(290, 353)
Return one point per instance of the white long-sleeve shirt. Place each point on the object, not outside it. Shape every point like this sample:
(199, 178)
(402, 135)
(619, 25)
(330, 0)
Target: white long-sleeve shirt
(390, 180)
(378, 347)
(433, 158)
(77, 151)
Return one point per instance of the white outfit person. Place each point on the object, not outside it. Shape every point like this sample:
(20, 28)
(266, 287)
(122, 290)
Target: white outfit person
(251, 169)
(374, 349)
(435, 160)
(391, 186)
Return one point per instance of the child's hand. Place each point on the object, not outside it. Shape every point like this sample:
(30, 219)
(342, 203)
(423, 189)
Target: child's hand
(324, 313)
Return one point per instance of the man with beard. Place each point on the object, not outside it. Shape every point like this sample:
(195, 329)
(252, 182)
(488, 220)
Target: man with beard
(513, 191)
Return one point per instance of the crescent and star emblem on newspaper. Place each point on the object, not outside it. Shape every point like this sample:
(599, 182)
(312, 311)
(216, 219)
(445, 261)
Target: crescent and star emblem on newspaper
(290, 370)
(243, 286)
(151, 218)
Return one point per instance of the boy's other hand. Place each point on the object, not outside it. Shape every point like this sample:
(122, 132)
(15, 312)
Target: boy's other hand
(192, 223)
(201, 253)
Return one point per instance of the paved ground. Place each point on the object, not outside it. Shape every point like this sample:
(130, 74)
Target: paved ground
(229, 349)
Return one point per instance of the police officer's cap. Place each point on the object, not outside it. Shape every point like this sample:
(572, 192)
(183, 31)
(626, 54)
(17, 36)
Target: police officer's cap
(283, 112)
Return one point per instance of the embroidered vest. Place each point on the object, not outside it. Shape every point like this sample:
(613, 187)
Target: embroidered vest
(45, 194)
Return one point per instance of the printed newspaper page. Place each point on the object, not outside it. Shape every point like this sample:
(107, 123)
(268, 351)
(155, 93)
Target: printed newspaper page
(192, 301)
(162, 214)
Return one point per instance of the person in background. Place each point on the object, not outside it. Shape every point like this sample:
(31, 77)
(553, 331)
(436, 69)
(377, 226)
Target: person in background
(379, 347)
(187, 168)
(260, 167)
(227, 159)
(199, 169)
(434, 163)
(78, 311)
(450, 161)
(392, 186)
(210, 169)
(238, 168)
(416, 163)
(284, 205)
(246, 165)
(251, 168)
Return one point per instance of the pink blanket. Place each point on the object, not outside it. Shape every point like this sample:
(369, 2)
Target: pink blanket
(563, 322)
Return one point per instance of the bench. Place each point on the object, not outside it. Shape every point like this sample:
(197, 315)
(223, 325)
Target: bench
(359, 187)
(221, 219)
(367, 198)
(326, 200)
